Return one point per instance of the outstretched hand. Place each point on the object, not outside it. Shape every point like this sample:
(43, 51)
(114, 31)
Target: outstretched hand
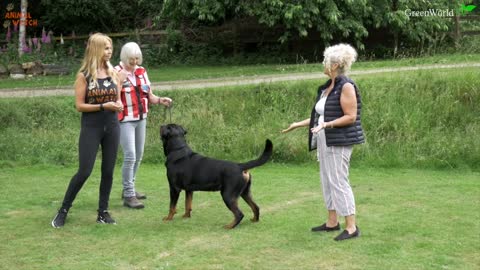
(290, 128)
(165, 101)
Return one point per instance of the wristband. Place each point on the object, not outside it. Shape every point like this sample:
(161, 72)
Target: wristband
(101, 107)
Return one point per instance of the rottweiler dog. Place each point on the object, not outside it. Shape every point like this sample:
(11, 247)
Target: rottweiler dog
(189, 171)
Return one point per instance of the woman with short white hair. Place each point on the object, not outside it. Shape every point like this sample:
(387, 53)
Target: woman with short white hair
(136, 95)
(334, 127)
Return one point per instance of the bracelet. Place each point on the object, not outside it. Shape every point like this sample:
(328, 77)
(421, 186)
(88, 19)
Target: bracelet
(101, 107)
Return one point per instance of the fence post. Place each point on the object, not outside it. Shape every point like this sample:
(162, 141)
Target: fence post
(137, 36)
(22, 39)
(457, 31)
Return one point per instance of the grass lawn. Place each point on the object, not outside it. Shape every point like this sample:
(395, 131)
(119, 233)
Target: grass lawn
(175, 73)
(410, 219)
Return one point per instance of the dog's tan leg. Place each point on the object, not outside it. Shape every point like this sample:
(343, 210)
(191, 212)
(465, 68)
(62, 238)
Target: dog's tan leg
(174, 194)
(188, 203)
(247, 196)
(238, 215)
(171, 213)
(253, 206)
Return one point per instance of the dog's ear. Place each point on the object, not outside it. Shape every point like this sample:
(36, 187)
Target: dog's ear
(164, 131)
(181, 129)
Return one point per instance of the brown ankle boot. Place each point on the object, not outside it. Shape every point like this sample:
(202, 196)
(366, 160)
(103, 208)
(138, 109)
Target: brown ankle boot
(139, 196)
(133, 202)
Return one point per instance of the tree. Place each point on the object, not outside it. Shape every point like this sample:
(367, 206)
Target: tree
(395, 16)
(332, 19)
(22, 28)
(325, 20)
(83, 17)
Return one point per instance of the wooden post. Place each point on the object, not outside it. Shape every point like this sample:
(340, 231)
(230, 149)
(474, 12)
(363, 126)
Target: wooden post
(457, 31)
(235, 40)
(22, 27)
(137, 36)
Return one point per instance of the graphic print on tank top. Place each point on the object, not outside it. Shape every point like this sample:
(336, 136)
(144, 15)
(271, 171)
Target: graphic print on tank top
(105, 90)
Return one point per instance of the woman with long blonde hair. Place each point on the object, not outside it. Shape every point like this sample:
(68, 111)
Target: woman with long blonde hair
(97, 97)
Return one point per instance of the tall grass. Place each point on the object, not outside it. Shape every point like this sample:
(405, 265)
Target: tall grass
(423, 118)
(412, 119)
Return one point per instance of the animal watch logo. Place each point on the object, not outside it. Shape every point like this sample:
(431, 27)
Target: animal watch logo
(464, 9)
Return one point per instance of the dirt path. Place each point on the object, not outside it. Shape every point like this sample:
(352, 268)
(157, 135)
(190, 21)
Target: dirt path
(228, 81)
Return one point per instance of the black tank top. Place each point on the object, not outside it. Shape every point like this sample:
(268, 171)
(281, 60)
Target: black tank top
(104, 91)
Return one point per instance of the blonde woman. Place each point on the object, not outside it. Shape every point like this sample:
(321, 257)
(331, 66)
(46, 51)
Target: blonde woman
(97, 97)
(136, 96)
(334, 127)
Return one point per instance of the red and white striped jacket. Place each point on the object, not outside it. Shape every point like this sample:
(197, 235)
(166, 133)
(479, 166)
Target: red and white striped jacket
(134, 95)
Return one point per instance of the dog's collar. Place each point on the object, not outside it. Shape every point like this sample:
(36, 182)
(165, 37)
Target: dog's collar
(178, 154)
(181, 146)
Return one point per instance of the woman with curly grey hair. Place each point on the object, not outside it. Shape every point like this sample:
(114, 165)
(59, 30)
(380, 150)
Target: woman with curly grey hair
(334, 127)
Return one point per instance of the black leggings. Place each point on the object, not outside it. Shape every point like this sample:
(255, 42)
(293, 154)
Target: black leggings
(91, 136)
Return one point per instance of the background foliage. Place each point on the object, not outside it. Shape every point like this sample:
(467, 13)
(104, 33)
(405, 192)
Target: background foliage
(83, 17)
(274, 30)
(331, 20)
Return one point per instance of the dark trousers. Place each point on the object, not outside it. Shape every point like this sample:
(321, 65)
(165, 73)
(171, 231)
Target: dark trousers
(91, 137)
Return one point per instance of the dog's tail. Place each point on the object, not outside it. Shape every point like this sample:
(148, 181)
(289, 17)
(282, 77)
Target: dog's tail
(267, 153)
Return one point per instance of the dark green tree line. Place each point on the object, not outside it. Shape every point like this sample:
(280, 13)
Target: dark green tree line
(326, 20)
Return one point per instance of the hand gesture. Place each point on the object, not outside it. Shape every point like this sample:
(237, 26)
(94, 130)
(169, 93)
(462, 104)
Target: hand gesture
(164, 101)
(290, 128)
(318, 128)
(113, 106)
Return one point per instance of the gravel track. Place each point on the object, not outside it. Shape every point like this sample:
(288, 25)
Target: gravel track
(227, 81)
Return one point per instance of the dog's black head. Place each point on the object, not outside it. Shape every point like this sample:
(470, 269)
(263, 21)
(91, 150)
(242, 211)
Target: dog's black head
(173, 138)
(170, 131)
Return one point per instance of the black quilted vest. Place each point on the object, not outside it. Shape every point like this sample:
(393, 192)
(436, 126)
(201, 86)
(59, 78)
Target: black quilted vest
(339, 136)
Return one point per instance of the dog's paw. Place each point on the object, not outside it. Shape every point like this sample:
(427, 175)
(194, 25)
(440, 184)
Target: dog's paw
(231, 225)
(228, 227)
(254, 219)
(167, 218)
(186, 215)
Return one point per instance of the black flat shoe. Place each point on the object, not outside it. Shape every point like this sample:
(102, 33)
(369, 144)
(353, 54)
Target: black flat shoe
(345, 235)
(324, 228)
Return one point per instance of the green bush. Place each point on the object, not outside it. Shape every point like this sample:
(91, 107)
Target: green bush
(411, 119)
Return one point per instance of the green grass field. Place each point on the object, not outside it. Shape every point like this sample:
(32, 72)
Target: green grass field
(416, 218)
(410, 219)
